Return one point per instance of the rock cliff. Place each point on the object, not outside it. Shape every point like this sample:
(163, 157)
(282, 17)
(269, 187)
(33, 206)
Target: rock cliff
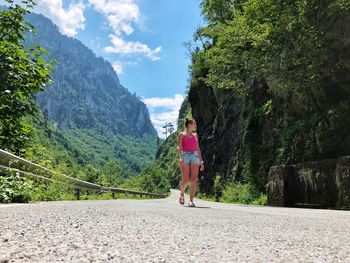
(243, 136)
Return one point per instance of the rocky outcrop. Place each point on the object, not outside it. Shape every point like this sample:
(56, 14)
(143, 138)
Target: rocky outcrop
(218, 130)
(231, 135)
(317, 184)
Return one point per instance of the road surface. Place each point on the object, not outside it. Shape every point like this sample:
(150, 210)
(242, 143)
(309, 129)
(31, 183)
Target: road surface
(163, 231)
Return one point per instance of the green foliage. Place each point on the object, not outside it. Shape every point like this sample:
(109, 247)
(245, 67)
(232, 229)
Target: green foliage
(261, 200)
(88, 146)
(236, 193)
(111, 174)
(240, 193)
(167, 160)
(91, 174)
(258, 154)
(252, 142)
(339, 6)
(292, 138)
(152, 180)
(23, 72)
(218, 10)
(52, 191)
(14, 188)
(87, 153)
(283, 42)
(47, 148)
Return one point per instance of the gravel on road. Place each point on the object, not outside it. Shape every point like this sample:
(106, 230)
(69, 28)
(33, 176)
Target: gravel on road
(163, 231)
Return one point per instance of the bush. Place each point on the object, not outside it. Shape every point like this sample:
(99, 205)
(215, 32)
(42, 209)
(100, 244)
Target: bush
(151, 180)
(239, 193)
(262, 200)
(53, 191)
(14, 188)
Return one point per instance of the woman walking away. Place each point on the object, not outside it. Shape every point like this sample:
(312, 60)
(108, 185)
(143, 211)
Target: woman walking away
(190, 159)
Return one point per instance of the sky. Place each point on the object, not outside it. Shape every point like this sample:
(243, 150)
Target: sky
(142, 39)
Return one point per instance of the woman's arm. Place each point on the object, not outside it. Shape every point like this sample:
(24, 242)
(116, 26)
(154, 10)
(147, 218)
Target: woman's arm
(200, 153)
(179, 146)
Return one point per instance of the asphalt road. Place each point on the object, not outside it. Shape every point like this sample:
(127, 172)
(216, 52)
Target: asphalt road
(163, 231)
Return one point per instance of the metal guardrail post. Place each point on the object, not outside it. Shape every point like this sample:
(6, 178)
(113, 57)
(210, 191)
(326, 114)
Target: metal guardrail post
(77, 192)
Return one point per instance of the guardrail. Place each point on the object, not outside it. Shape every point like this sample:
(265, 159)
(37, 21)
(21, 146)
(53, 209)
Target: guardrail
(26, 168)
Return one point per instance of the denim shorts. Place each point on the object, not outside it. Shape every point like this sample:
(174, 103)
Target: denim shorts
(190, 157)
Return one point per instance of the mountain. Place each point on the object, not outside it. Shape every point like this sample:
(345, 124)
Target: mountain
(89, 119)
(86, 92)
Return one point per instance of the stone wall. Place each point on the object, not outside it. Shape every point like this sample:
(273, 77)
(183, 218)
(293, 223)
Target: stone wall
(324, 184)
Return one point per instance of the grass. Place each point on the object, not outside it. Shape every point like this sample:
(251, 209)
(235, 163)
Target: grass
(238, 194)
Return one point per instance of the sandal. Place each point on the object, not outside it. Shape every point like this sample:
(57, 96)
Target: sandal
(182, 200)
(191, 204)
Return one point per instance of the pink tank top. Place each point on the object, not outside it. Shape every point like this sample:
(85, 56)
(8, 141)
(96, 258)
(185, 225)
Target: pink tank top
(189, 144)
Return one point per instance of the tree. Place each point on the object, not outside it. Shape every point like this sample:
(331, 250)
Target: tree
(219, 11)
(91, 174)
(153, 180)
(111, 174)
(23, 72)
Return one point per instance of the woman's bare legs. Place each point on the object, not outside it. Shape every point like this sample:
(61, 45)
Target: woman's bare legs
(194, 176)
(185, 171)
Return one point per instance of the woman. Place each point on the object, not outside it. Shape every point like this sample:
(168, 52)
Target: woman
(190, 159)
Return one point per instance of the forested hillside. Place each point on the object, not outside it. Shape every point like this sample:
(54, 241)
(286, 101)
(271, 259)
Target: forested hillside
(269, 85)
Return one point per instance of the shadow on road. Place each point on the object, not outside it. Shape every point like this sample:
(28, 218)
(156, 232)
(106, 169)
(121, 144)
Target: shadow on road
(197, 206)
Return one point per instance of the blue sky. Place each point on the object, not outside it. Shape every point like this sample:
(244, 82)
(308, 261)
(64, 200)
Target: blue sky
(143, 40)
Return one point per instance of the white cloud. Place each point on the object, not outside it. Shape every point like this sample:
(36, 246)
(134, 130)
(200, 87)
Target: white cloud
(157, 102)
(69, 20)
(159, 119)
(129, 47)
(122, 17)
(163, 110)
(121, 14)
(118, 68)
